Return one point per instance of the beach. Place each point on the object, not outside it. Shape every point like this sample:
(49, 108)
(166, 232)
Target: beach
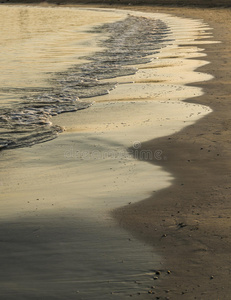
(192, 217)
(185, 218)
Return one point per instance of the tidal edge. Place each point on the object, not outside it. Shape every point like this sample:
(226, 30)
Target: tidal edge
(189, 223)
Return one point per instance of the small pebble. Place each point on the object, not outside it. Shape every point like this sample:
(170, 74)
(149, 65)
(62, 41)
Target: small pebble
(158, 273)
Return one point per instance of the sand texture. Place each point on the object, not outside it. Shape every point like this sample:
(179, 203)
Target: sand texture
(190, 221)
(185, 217)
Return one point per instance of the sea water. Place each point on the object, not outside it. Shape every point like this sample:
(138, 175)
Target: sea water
(53, 61)
(36, 43)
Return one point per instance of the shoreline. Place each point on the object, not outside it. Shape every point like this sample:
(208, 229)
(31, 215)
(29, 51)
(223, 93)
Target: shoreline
(189, 222)
(196, 227)
(57, 196)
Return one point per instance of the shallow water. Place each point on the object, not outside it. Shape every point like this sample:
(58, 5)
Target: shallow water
(47, 69)
(27, 120)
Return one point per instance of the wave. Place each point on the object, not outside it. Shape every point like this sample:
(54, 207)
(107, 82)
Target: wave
(129, 42)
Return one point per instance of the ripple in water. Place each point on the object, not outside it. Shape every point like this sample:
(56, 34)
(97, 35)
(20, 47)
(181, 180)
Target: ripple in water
(129, 42)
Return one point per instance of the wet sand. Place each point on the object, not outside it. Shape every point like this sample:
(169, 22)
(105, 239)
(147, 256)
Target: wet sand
(188, 223)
